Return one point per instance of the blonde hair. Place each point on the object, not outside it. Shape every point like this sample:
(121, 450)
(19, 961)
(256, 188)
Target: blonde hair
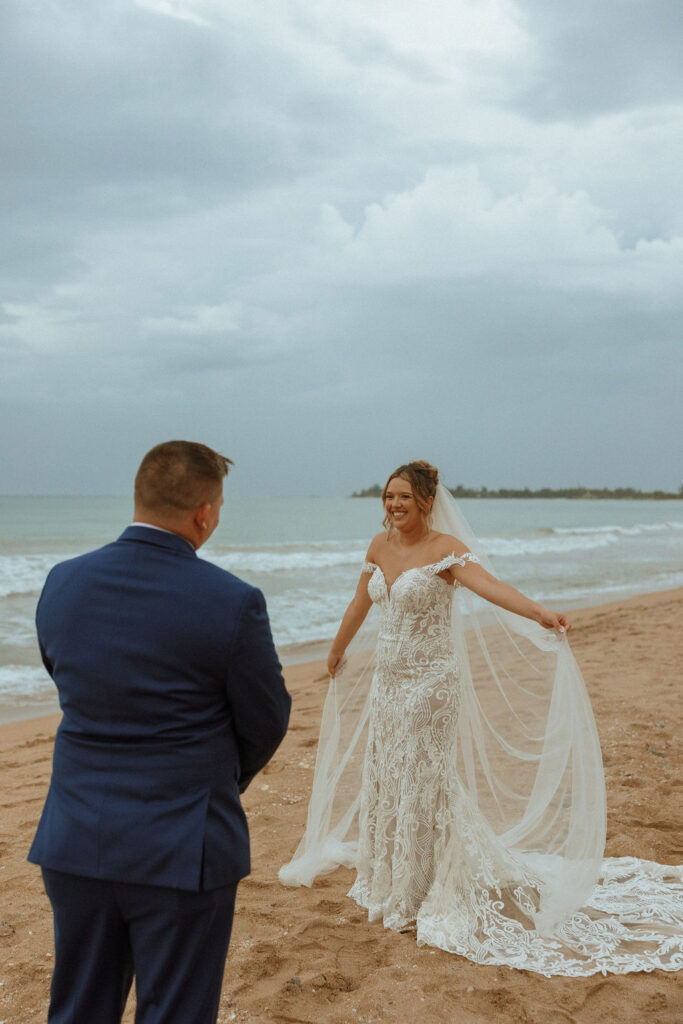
(423, 478)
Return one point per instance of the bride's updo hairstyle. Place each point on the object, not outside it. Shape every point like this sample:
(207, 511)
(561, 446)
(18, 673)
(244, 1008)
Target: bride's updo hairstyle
(423, 478)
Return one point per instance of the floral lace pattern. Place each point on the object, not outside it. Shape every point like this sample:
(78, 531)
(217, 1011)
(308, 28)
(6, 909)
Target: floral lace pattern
(427, 857)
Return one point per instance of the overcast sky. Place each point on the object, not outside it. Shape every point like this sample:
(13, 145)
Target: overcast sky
(328, 237)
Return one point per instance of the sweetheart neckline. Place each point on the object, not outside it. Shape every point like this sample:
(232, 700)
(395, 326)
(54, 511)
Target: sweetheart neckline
(413, 568)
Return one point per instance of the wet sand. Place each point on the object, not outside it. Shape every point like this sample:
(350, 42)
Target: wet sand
(309, 955)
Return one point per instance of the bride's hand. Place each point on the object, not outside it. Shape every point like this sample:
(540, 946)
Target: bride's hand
(554, 620)
(335, 662)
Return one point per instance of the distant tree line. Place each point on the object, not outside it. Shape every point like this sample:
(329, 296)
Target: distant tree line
(543, 492)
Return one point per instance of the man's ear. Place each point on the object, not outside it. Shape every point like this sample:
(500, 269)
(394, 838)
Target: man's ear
(201, 516)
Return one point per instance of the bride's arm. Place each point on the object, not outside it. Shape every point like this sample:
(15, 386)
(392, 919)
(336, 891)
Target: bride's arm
(483, 583)
(353, 619)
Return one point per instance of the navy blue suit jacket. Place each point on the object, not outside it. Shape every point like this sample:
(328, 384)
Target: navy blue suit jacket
(172, 699)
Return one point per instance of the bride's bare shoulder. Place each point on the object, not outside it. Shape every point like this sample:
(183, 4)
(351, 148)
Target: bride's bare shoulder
(375, 546)
(447, 544)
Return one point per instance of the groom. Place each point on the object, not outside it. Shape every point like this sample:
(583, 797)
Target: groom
(172, 700)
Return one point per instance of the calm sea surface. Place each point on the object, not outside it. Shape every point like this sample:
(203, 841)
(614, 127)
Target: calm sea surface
(305, 554)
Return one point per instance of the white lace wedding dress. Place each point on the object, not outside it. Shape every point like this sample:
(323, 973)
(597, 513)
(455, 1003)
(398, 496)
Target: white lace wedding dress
(467, 792)
(427, 857)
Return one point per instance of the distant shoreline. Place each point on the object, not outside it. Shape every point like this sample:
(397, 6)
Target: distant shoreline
(582, 493)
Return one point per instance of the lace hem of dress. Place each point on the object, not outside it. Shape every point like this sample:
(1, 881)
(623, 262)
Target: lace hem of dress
(631, 923)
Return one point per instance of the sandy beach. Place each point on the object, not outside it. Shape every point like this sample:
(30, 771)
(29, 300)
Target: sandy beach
(301, 955)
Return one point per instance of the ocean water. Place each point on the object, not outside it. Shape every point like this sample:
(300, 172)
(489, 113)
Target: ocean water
(305, 554)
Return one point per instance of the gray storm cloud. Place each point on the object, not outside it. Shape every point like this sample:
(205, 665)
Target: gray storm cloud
(322, 239)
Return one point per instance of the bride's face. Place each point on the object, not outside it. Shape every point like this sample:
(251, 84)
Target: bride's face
(401, 507)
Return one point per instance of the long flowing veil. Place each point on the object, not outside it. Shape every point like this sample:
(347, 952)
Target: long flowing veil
(527, 757)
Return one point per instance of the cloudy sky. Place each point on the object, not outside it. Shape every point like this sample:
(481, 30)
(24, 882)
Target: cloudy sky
(326, 237)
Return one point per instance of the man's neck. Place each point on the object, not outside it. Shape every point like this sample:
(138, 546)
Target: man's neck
(151, 526)
(162, 529)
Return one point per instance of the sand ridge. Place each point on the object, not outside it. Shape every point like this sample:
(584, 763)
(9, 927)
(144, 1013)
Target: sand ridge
(309, 956)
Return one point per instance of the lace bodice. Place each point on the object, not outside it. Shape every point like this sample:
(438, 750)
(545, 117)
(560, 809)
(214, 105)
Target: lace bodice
(416, 615)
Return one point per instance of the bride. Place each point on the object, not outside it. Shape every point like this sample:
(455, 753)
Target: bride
(459, 769)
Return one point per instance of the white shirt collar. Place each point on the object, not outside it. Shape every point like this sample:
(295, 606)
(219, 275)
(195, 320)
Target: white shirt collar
(151, 526)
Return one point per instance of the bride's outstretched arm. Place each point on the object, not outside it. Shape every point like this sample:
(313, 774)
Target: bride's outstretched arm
(483, 583)
(353, 619)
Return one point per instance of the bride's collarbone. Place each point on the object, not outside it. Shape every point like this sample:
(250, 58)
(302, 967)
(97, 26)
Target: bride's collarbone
(422, 556)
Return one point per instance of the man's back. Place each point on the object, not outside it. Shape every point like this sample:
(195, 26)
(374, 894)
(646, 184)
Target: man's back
(172, 699)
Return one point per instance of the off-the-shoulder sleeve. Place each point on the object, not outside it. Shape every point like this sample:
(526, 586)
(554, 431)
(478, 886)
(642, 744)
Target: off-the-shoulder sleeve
(449, 560)
(464, 558)
(368, 567)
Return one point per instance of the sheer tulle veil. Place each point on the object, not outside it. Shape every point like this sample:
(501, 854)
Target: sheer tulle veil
(527, 756)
